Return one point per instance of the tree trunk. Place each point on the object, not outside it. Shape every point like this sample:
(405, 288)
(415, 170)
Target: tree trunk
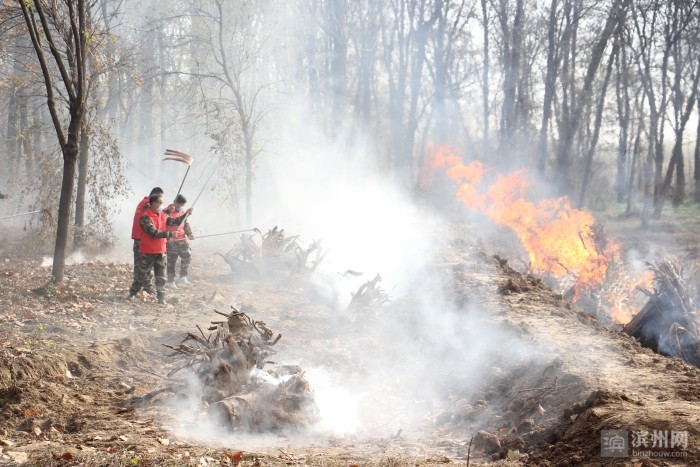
(596, 129)
(79, 238)
(569, 128)
(633, 169)
(486, 146)
(338, 50)
(676, 163)
(550, 81)
(248, 179)
(64, 208)
(12, 133)
(696, 159)
(623, 118)
(512, 39)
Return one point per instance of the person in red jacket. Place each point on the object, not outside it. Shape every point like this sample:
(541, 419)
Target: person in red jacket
(178, 246)
(136, 233)
(152, 257)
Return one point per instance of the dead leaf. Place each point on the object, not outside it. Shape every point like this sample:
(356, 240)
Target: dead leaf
(6, 442)
(31, 413)
(149, 431)
(235, 457)
(441, 460)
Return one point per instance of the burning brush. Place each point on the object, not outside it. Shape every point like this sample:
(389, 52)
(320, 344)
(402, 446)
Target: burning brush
(669, 323)
(561, 242)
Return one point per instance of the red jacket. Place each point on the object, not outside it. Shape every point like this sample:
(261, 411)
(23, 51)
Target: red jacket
(136, 230)
(155, 241)
(178, 231)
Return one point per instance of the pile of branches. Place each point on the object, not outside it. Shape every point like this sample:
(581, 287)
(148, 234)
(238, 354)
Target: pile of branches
(273, 254)
(669, 323)
(369, 296)
(229, 366)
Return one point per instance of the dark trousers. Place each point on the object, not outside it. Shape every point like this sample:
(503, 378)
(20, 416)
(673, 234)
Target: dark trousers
(178, 250)
(150, 264)
(148, 286)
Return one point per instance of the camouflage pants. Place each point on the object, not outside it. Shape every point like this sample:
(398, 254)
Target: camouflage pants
(148, 285)
(178, 250)
(151, 264)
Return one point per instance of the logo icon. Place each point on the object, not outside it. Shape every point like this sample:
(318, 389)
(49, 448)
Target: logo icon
(613, 443)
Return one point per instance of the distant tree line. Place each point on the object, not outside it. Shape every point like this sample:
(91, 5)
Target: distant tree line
(597, 96)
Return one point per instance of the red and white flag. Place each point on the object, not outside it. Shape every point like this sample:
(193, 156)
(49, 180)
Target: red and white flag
(171, 155)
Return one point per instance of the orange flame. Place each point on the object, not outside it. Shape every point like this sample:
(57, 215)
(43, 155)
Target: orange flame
(621, 308)
(559, 240)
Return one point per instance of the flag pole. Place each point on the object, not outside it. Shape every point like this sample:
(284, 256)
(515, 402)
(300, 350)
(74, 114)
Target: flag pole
(183, 182)
(179, 156)
(20, 214)
(255, 229)
(182, 224)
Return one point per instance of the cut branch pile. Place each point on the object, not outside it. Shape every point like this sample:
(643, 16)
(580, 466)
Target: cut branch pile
(369, 296)
(229, 365)
(669, 323)
(276, 255)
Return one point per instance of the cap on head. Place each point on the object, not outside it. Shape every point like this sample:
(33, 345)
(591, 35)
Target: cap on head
(179, 199)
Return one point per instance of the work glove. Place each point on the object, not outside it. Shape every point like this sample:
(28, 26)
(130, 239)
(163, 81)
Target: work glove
(191, 237)
(189, 211)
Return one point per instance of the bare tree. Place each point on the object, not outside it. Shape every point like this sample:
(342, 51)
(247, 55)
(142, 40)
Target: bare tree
(615, 18)
(649, 21)
(684, 61)
(485, 78)
(511, 57)
(588, 162)
(47, 24)
(556, 37)
(237, 49)
(622, 94)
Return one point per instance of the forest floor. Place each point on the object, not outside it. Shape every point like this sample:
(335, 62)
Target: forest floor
(538, 381)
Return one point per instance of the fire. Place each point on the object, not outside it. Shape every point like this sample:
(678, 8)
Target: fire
(559, 240)
(620, 301)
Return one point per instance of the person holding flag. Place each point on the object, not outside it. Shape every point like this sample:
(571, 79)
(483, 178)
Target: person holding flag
(152, 248)
(178, 245)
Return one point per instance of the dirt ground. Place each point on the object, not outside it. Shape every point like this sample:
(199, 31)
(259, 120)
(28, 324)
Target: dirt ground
(75, 359)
